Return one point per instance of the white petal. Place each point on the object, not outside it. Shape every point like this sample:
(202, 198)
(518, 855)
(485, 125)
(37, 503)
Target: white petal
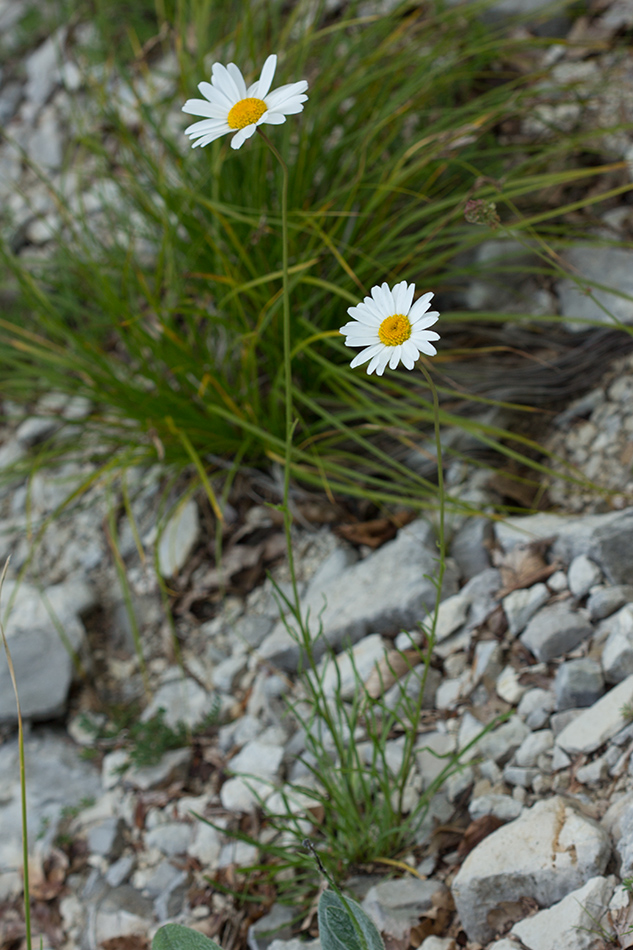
(423, 336)
(239, 138)
(290, 108)
(367, 339)
(236, 75)
(427, 348)
(294, 90)
(211, 137)
(266, 76)
(409, 354)
(364, 314)
(384, 298)
(373, 309)
(202, 107)
(421, 323)
(205, 126)
(380, 361)
(215, 95)
(222, 80)
(394, 358)
(404, 297)
(364, 355)
(273, 118)
(420, 306)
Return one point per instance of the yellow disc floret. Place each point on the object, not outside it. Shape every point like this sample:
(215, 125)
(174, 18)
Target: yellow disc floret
(394, 330)
(245, 112)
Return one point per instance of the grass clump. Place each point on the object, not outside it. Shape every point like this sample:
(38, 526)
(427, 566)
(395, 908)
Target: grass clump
(165, 306)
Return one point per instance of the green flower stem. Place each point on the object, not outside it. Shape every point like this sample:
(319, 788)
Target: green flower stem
(411, 735)
(287, 368)
(25, 837)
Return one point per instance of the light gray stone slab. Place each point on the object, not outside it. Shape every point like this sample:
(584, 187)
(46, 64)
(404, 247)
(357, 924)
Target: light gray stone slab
(546, 853)
(604, 265)
(572, 923)
(554, 630)
(178, 539)
(617, 653)
(521, 605)
(583, 574)
(383, 593)
(600, 722)
(503, 807)
(396, 906)
(605, 601)
(578, 683)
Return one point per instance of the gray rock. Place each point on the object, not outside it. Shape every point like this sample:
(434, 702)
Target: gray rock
(178, 539)
(618, 820)
(170, 902)
(532, 747)
(609, 266)
(548, 852)
(183, 700)
(42, 68)
(256, 769)
(612, 547)
(381, 594)
(173, 767)
(35, 429)
(617, 653)
(206, 845)
(107, 838)
(554, 630)
(275, 925)
(519, 775)
(123, 912)
(583, 574)
(159, 879)
(396, 906)
(521, 605)
(469, 548)
(497, 745)
(43, 662)
(433, 753)
(560, 720)
(605, 601)
(252, 630)
(410, 685)
(238, 853)
(535, 707)
(295, 944)
(57, 777)
(119, 872)
(572, 923)
(593, 773)
(508, 687)
(45, 148)
(578, 683)
(341, 675)
(503, 807)
(172, 837)
(600, 722)
(226, 673)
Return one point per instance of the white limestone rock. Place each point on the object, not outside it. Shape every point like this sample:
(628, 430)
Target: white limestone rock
(549, 851)
(598, 723)
(520, 606)
(572, 923)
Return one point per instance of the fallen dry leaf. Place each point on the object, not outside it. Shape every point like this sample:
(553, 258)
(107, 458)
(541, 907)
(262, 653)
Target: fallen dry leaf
(394, 665)
(523, 566)
(376, 532)
(46, 878)
(508, 913)
(476, 831)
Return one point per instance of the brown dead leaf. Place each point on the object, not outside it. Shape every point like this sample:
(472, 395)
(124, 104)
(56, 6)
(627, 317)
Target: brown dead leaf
(46, 878)
(376, 532)
(394, 665)
(476, 831)
(508, 913)
(524, 565)
(128, 942)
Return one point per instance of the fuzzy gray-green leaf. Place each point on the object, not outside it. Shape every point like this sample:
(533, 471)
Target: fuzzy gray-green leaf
(337, 930)
(176, 937)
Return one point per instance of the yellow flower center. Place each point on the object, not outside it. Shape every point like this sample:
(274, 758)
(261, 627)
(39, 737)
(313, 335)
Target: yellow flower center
(394, 330)
(245, 112)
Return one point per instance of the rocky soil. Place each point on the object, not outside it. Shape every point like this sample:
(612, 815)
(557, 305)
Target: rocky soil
(528, 844)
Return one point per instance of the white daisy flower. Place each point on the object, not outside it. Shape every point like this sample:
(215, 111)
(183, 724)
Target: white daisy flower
(391, 328)
(228, 106)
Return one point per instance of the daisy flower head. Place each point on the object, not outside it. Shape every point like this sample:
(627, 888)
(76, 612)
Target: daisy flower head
(391, 328)
(229, 106)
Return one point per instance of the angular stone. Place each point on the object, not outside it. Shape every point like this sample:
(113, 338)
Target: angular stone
(383, 593)
(433, 753)
(612, 547)
(548, 852)
(554, 630)
(617, 653)
(183, 700)
(172, 837)
(532, 747)
(508, 687)
(583, 574)
(396, 906)
(206, 846)
(341, 675)
(605, 601)
(600, 722)
(173, 766)
(503, 807)
(578, 683)
(535, 707)
(469, 547)
(519, 775)
(122, 913)
(43, 661)
(178, 539)
(612, 266)
(572, 923)
(106, 838)
(497, 745)
(520, 605)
